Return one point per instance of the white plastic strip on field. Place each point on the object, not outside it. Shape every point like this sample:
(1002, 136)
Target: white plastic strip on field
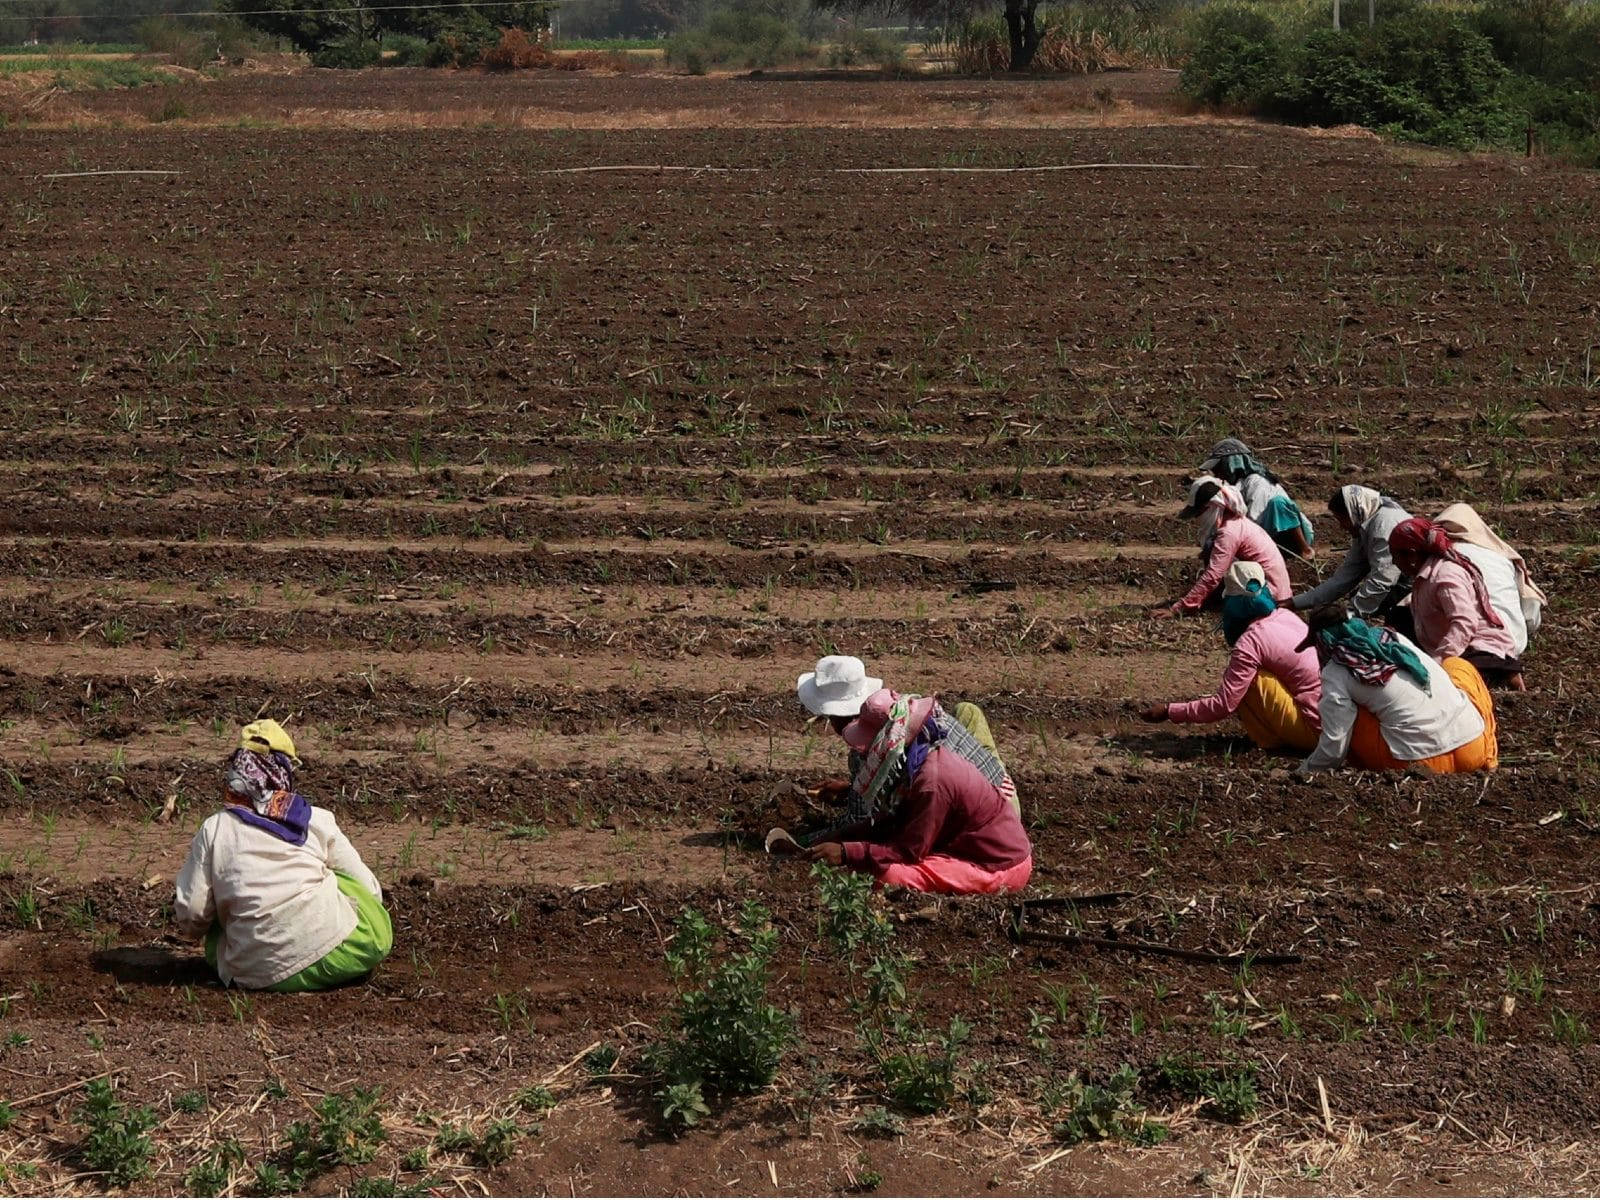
(1095, 166)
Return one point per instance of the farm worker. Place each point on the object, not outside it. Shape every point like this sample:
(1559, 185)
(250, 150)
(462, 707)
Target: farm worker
(1451, 609)
(1387, 706)
(933, 820)
(838, 689)
(1227, 535)
(1265, 499)
(282, 897)
(1367, 575)
(1270, 684)
(1520, 603)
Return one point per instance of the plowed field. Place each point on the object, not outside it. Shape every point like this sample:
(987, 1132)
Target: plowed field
(522, 494)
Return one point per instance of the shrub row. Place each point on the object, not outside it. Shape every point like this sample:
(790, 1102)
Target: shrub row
(1447, 77)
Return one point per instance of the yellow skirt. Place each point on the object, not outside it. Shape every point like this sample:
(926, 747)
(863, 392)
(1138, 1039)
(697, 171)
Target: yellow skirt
(1272, 718)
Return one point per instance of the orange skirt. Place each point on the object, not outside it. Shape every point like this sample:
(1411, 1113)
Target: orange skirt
(1369, 750)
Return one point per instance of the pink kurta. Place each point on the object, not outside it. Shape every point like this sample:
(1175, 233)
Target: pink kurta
(1268, 645)
(1449, 622)
(1240, 537)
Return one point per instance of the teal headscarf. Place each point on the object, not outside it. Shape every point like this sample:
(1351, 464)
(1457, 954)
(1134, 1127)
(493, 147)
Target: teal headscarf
(1241, 612)
(1232, 459)
(1372, 653)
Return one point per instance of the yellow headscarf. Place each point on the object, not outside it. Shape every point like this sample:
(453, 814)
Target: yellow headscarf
(266, 736)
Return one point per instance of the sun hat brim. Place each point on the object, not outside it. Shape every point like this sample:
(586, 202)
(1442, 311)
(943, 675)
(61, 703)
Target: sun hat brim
(815, 702)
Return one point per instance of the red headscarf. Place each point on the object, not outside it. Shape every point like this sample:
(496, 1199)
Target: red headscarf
(1418, 535)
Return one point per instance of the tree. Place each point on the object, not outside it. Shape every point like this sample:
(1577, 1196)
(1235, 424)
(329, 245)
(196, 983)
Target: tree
(311, 28)
(1023, 28)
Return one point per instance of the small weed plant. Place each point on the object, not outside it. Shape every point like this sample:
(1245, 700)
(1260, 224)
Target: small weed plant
(1101, 1111)
(345, 1130)
(118, 1142)
(212, 1174)
(1229, 1091)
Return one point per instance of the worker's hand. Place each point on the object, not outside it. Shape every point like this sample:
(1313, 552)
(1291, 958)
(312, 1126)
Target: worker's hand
(831, 853)
(1155, 713)
(831, 791)
(1163, 613)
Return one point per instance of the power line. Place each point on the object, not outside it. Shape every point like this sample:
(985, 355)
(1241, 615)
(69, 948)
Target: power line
(263, 12)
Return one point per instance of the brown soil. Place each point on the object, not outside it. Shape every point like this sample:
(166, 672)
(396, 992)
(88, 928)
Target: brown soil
(524, 497)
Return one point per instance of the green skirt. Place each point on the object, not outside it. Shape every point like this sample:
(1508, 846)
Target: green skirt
(368, 945)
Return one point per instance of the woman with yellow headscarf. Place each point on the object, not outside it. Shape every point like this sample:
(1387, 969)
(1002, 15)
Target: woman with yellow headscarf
(283, 899)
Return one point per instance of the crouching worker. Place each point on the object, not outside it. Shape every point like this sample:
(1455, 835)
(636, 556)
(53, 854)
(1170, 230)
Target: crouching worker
(283, 899)
(1453, 608)
(1271, 685)
(933, 821)
(1387, 706)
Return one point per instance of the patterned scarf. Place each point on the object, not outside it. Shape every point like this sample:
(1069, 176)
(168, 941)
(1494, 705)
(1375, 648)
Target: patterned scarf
(893, 760)
(260, 792)
(1372, 653)
(1227, 504)
(1418, 535)
(885, 761)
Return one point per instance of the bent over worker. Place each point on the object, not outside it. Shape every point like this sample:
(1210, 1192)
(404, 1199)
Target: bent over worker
(1367, 574)
(1271, 685)
(924, 815)
(1387, 706)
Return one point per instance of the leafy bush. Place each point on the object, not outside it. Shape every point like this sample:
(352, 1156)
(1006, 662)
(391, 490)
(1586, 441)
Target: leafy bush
(456, 49)
(722, 1035)
(118, 1142)
(1425, 77)
(349, 54)
(739, 38)
(1234, 57)
(1449, 77)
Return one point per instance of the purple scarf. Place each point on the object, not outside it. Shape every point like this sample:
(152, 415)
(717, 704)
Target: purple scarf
(260, 792)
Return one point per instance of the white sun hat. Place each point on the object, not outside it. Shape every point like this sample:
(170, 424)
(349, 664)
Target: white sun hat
(838, 687)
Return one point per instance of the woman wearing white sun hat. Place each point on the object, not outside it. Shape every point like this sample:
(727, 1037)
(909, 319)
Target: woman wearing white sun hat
(929, 804)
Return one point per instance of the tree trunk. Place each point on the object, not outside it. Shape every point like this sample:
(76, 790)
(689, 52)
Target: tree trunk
(1023, 29)
(1336, 14)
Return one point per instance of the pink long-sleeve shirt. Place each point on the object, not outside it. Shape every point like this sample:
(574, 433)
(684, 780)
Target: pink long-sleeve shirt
(950, 808)
(1268, 645)
(1444, 605)
(1239, 537)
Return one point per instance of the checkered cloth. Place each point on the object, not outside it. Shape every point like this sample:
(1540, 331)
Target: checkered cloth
(944, 730)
